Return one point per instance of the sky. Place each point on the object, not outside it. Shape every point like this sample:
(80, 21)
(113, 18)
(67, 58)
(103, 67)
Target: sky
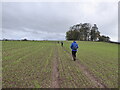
(51, 20)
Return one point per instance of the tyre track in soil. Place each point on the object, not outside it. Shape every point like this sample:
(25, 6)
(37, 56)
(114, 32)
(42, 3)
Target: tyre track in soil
(55, 71)
(84, 69)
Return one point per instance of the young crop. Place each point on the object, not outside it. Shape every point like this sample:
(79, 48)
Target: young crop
(41, 64)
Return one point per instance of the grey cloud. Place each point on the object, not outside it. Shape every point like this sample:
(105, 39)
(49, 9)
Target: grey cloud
(119, 21)
(32, 34)
(51, 20)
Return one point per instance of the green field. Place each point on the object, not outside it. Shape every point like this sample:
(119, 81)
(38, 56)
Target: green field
(45, 64)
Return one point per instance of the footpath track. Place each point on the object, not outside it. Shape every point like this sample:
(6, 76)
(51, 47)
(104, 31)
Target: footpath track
(55, 72)
(85, 70)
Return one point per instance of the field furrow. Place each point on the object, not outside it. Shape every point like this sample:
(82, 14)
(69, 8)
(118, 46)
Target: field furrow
(46, 64)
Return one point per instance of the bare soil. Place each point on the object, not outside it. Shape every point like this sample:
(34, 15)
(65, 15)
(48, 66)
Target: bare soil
(55, 71)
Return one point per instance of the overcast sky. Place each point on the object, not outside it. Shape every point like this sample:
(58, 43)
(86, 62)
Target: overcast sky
(51, 20)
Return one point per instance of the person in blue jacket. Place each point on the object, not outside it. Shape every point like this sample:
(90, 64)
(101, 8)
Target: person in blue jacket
(74, 47)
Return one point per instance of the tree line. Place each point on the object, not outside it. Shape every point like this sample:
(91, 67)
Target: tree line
(85, 32)
(4, 39)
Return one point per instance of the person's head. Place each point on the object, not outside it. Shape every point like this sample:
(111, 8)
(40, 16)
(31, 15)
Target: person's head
(74, 41)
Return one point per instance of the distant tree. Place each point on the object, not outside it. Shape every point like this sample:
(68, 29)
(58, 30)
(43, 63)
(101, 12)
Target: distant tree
(75, 35)
(79, 32)
(85, 32)
(107, 39)
(24, 39)
(72, 35)
(104, 38)
(85, 29)
(4, 39)
(69, 35)
(94, 33)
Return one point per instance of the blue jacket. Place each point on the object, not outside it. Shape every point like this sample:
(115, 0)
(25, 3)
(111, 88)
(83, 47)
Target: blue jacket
(74, 43)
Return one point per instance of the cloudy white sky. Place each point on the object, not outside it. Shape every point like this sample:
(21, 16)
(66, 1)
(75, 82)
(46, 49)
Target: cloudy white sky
(51, 20)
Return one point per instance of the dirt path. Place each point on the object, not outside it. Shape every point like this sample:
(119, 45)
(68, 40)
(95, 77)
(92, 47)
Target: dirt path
(84, 69)
(55, 72)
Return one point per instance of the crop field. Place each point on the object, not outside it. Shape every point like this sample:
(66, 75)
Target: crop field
(46, 64)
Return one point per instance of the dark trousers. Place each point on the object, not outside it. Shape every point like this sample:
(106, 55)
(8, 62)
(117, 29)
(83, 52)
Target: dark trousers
(74, 54)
